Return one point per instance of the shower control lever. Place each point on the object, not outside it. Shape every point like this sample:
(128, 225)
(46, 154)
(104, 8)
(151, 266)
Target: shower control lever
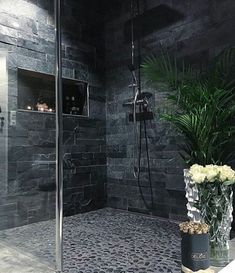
(138, 102)
(133, 85)
(1, 124)
(12, 118)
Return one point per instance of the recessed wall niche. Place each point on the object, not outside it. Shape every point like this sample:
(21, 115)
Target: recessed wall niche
(36, 92)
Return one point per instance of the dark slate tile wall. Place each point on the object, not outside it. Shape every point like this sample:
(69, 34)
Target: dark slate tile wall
(27, 31)
(204, 30)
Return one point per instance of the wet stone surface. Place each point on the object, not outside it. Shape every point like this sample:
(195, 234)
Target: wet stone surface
(101, 241)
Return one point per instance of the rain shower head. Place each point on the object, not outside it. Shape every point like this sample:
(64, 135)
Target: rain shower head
(150, 21)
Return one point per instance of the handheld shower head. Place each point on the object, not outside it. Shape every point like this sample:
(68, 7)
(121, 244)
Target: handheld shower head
(131, 67)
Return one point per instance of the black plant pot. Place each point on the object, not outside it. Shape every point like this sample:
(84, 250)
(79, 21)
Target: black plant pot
(195, 251)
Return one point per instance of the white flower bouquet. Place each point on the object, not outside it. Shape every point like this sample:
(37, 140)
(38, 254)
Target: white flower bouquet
(212, 173)
(215, 196)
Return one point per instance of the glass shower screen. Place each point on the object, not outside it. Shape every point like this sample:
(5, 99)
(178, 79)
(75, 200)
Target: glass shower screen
(27, 136)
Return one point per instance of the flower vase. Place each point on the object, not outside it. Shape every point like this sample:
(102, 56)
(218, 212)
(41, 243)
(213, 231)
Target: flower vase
(191, 193)
(215, 203)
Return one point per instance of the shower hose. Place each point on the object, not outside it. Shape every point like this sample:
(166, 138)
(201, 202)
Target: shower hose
(137, 155)
(150, 207)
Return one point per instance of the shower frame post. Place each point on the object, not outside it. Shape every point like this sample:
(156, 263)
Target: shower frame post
(59, 138)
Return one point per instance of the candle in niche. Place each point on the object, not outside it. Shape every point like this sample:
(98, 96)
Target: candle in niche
(42, 107)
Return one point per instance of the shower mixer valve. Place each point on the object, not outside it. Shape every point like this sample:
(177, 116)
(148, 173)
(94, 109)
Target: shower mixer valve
(1, 124)
(141, 100)
(1, 121)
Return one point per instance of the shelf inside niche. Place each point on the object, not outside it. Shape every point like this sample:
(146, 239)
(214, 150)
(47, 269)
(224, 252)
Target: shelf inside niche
(36, 93)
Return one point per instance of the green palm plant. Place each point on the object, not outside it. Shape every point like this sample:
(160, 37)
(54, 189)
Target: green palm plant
(205, 104)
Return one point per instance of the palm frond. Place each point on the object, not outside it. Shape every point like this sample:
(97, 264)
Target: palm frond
(222, 70)
(167, 70)
(203, 106)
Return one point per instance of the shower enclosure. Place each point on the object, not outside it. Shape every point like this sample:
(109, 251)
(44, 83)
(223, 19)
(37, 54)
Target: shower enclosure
(28, 130)
(73, 105)
(50, 78)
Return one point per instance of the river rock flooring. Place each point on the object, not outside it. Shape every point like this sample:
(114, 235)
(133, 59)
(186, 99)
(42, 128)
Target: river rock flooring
(103, 241)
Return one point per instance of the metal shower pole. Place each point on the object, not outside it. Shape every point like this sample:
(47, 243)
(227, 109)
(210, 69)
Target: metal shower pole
(59, 138)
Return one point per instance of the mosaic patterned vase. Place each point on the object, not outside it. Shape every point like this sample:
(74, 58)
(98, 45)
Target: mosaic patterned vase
(215, 202)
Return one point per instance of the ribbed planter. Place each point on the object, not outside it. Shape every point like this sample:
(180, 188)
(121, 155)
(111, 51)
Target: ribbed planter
(195, 251)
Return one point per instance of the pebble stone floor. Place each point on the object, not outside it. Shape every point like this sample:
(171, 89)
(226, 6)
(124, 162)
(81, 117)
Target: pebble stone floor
(101, 241)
